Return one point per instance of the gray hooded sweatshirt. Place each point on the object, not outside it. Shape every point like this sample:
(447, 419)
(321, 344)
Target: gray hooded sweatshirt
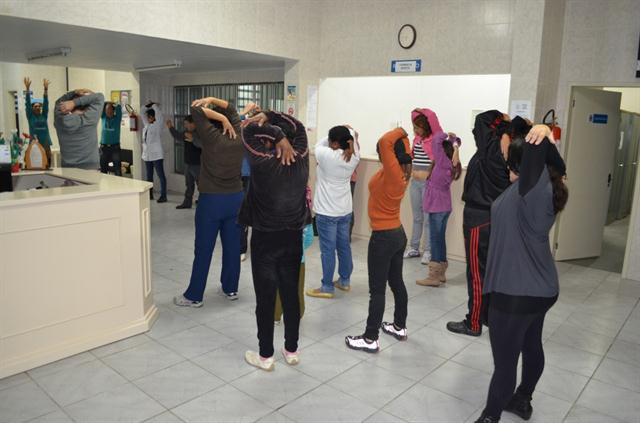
(78, 133)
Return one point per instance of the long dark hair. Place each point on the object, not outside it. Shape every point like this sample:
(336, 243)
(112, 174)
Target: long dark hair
(560, 191)
(422, 122)
(456, 170)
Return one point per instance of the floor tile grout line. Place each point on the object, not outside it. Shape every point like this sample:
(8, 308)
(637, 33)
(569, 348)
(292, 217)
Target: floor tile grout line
(51, 398)
(575, 403)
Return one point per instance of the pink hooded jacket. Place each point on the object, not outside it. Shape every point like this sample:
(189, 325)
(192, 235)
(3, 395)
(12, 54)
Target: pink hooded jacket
(435, 128)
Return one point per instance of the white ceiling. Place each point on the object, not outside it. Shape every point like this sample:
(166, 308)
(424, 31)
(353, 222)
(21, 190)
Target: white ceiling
(100, 49)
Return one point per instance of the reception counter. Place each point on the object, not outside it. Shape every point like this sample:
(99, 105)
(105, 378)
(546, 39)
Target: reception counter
(75, 270)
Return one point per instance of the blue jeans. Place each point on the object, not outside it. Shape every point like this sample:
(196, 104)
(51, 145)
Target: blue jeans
(216, 213)
(158, 165)
(420, 224)
(438, 230)
(334, 235)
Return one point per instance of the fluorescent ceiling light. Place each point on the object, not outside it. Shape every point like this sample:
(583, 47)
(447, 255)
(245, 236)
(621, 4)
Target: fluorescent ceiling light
(176, 64)
(60, 51)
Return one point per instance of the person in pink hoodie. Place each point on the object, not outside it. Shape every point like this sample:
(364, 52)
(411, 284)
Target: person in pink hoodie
(436, 203)
(421, 170)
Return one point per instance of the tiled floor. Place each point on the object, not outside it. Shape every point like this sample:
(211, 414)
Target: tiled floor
(614, 244)
(190, 366)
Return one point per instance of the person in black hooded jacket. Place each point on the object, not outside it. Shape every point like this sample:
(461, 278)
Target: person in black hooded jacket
(487, 177)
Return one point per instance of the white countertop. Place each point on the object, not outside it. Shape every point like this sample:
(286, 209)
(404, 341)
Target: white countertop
(99, 185)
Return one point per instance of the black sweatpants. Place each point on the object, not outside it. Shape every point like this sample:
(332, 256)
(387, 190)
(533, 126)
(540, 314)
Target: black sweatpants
(476, 229)
(512, 334)
(110, 153)
(275, 266)
(384, 260)
(191, 175)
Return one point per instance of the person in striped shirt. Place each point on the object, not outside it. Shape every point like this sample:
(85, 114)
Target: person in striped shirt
(421, 170)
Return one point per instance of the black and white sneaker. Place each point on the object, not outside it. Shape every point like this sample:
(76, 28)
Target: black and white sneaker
(390, 329)
(361, 344)
(231, 296)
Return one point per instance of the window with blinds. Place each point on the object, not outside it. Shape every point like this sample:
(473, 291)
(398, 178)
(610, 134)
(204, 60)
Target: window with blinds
(269, 95)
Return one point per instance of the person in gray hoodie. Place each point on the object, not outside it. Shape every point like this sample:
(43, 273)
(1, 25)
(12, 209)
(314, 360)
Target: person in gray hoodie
(77, 115)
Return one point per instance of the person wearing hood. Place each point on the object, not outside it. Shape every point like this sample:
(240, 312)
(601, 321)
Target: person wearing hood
(76, 121)
(425, 124)
(38, 115)
(437, 199)
(387, 243)
(487, 177)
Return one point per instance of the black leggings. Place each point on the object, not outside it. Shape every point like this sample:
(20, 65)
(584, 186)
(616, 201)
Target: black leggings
(511, 334)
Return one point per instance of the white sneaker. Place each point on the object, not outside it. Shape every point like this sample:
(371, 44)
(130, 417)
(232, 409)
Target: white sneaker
(231, 296)
(426, 258)
(411, 253)
(243, 257)
(292, 358)
(390, 329)
(360, 344)
(182, 301)
(253, 358)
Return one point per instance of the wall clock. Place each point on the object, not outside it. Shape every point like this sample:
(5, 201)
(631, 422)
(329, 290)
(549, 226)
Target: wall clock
(407, 36)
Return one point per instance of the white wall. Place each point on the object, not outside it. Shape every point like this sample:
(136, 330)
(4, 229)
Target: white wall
(630, 100)
(374, 105)
(228, 77)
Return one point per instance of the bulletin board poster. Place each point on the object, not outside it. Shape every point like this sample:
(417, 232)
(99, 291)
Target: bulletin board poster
(122, 97)
(292, 92)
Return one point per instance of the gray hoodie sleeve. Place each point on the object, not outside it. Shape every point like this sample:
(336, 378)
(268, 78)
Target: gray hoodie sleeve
(94, 104)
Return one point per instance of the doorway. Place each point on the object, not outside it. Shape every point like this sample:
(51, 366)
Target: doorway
(603, 134)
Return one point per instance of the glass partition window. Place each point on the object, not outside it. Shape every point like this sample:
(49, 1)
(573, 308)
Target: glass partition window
(269, 95)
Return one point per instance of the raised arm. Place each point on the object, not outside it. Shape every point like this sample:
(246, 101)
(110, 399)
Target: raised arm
(93, 103)
(293, 129)
(394, 179)
(118, 112)
(27, 104)
(143, 116)
(534, 160)
(322, 150)
(45, 97)
(256, 137)
(159, 115)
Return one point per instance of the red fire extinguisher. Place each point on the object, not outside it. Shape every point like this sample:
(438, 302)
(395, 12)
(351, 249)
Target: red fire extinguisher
(133, 118)
(553, 124)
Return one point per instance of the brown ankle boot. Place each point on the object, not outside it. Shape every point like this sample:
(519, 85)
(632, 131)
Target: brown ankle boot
(445, 266)
(436, 272)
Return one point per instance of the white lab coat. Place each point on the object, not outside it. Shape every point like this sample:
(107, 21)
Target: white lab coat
(152, 136)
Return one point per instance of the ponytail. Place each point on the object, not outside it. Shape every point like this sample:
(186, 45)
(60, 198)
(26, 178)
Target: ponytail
(560, 190)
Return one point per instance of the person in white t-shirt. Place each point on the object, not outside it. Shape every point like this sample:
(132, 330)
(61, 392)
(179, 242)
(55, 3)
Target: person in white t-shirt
(338, 155)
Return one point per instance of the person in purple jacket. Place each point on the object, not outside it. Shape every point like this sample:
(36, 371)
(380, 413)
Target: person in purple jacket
(437, 199)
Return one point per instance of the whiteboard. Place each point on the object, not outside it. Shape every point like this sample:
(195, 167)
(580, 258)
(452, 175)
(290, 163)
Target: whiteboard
(374, 105)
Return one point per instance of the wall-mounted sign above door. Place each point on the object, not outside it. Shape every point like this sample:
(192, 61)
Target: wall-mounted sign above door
(406, 66)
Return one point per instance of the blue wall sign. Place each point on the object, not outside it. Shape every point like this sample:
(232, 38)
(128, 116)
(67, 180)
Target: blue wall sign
(597, 118)
(406, 66)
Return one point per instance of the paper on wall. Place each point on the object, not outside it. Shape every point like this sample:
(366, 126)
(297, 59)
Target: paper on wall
(521, 108)
(312, 106)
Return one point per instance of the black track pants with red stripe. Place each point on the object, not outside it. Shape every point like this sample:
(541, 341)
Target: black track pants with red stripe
(476, 244)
